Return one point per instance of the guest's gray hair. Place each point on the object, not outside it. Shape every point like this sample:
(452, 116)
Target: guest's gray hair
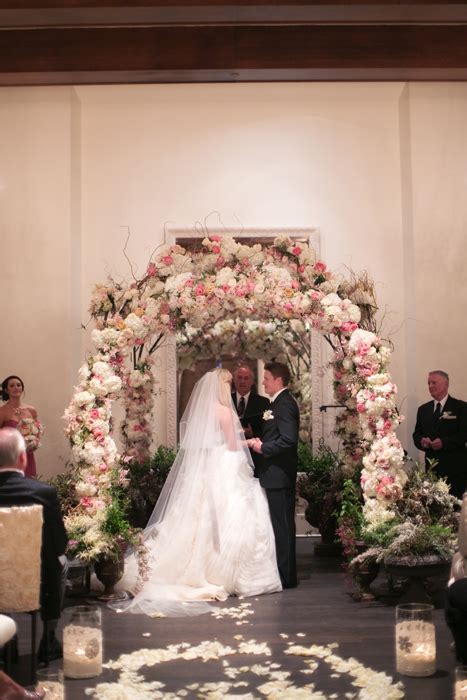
(440, 372)
(12, 445)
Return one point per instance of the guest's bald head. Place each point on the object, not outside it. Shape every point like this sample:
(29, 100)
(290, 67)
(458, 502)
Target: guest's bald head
(12, 449)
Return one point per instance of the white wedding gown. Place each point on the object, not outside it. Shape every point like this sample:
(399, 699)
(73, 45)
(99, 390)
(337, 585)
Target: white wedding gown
(213, 539)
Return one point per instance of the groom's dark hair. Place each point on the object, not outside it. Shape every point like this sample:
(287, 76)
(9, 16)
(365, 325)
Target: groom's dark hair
(278, 369)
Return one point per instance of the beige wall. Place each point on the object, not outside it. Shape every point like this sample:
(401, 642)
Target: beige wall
(379, 168)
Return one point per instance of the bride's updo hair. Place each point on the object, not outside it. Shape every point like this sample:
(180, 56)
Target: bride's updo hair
(224, 378)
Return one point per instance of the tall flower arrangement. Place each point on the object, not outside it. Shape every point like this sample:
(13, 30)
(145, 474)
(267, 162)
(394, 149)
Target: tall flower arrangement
(194, 292)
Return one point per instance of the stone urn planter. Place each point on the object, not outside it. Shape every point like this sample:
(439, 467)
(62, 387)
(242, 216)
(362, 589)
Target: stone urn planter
(109, 570)
(364, 573)
(415, 574)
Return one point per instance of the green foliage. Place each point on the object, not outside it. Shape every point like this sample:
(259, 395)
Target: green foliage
(350, 516)
(320, 483)
(145, 482)
(65, 485)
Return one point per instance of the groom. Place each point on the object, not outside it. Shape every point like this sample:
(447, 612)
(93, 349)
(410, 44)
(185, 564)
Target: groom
(278, 471)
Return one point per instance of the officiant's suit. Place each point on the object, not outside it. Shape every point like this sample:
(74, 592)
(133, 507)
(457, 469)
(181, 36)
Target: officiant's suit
(19, 490)
(451, 428)
(277, 475)
(253, 416)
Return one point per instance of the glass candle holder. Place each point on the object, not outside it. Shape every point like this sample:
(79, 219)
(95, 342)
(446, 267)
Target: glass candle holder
(51, 680)
(460, 687)
(415, 640)
(82, 641)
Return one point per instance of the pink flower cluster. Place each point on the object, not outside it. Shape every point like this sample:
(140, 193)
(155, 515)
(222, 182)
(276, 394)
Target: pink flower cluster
(136, 427)
(32, 430)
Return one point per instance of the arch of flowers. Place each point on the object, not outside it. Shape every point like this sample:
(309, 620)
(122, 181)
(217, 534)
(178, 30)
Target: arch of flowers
(227, 279)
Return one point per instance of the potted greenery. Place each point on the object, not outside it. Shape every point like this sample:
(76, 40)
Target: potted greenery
(101, 536)
(320, 481)
(420, 540)
(144, 484)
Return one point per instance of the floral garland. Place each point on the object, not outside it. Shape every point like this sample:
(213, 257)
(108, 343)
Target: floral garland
(138, 402)
(229, 279)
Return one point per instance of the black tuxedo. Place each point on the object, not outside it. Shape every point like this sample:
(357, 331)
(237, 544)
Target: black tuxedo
(451, 428)
(277, 475)
(253, 415)
(19, 490)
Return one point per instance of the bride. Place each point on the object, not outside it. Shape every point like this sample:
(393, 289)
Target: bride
(210, 534)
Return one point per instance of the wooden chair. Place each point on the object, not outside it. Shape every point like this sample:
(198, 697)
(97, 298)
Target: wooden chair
(20, 565)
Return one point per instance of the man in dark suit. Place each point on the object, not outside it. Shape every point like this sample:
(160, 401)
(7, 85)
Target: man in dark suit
(278, 471)
(16, 489)
(441, 432)
(250, 407)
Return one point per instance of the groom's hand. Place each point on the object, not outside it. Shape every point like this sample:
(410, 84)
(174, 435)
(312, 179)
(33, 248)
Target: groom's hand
(255, 445)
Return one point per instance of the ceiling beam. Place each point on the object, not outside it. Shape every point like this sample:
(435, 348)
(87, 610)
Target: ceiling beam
(58, 43)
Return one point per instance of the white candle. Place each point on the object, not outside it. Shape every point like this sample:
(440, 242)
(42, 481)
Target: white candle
(460, 692)
(82, 651)
(415, 648)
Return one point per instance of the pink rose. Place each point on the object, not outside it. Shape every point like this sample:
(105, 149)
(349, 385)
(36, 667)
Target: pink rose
(151, 270)
(167, 260)
(296, 250)
(215, 249)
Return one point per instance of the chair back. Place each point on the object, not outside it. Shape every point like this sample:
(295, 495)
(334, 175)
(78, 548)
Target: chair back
(20, 558)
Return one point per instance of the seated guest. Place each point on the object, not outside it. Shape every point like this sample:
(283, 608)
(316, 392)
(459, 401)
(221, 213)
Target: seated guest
(456, 594)
(18, 490)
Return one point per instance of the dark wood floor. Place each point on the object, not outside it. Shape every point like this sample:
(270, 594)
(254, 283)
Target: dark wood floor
(320, 607)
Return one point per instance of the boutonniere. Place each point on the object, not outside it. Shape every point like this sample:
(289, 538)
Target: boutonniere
(268, 415)
(447, 415)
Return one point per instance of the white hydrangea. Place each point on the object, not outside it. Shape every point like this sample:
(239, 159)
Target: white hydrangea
(178, 282)
(225, 276)
(83, 398)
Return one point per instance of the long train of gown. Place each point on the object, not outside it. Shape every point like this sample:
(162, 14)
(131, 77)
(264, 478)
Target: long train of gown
(220, 544)
(31, 469)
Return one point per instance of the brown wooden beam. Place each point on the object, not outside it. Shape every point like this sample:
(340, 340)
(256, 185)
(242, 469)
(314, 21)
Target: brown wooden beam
(38, 50)
(217, 12)
(180, 51)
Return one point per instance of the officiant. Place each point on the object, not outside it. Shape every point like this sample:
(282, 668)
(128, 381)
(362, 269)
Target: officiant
(250, 406)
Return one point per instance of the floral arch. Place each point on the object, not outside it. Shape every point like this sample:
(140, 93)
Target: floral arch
(226, 278)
